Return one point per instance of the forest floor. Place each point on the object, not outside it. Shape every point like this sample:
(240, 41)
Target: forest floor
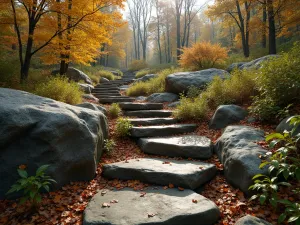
(67, 205)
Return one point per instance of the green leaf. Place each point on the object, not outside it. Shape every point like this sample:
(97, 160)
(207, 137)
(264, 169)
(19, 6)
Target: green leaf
(297, 172)
(51, 180)
(286, 174)
(262, 165)
(262, 199)
(274, 187)
(285, 202)
(258, 176)
(274, 136)
(46, 188)
(38, 198)
(22, 173)
(281, 218)
(274, 143)
(253, 198)
(293, 218)
(273, 202)
(41, 170)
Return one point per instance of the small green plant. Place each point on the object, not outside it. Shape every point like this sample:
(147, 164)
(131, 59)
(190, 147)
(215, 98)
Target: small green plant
(123, 127)
(114, 110)
(283, 171)
(144, 72)
(109, 146)
(32, 185)
(193, 92)
(137, 65)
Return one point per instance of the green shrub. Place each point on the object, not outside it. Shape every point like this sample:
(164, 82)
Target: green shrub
(137, 65)
(109, 146)
(154, 85)
(32, 185)
(60, 89)
(114, 110)
(191, 108)
(106, 74)
(278, 83)
(123, 127)
(283, 165)
(193, 92)
(144, 72)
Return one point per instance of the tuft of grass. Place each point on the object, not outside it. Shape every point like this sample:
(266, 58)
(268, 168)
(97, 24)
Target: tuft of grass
(109, 146)
(60, 89)
(106, 74)
(114, 110)
(154, 85)
(137, 65)
(123, 127)
(144, 72)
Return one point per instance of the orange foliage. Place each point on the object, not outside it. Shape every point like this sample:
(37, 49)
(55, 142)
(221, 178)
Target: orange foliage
(202, 56)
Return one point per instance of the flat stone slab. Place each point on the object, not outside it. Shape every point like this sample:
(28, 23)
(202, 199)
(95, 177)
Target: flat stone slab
(188, 146)
(115, 100)
(141, 106)
(162, 131)
(180, 173)
(152, 121)
(149, 113)
(167, 207)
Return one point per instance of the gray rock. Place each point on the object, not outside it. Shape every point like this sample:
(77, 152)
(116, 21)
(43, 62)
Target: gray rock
(148, 113)
(285, 125)
(141, 98)
(36, 131)
(251, 220)
(146, 78)
(124, 87)
(226, 115)
(171, 207)
(188, 146)
(180, 173)
(90, 97)
(234, 66)
(239, 153)
(115, 100)
(86, 88)
(91, 106)
(162, 131)
(181, 82)
(75, 75)
(257, 63)
(162, 97)
(103, 80)
(152, 121)
(174, 104)
(141, 106)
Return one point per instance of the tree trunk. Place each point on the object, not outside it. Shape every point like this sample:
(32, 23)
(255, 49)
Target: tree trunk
(264, 28)
(178, 33)
(272, 28)
(25, 67)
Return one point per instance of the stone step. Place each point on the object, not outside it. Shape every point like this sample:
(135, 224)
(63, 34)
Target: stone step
(148, 113)
(100, 92)
(180, 173)
(141, 106)
(187, 146)
(115, 100)
(108, 96)
(106, 89)
(164, 207)
(152, 121)
(162, 131)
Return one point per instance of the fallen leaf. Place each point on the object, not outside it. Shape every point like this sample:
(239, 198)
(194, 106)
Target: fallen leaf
(22, 167)
(165, 187)
(104, 205)
(180, 189)
(166, 162)
(103, 192)
(114, 201)
(151, 215)
(143, 194)
(195, 201)
(171, 185)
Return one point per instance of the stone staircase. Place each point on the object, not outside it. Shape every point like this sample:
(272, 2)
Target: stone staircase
(157, 133)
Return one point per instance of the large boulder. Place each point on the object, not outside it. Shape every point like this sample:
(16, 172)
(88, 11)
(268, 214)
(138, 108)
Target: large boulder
(226, 115)
(146, 78)
(234, 66)
(162, 97)
(86, 88)
(36, 131)
(92, 106)
(75, 75)
(251, 220)
(239, 153)
(257, 63)
(286, 126)
(90, 97)
(181, 82)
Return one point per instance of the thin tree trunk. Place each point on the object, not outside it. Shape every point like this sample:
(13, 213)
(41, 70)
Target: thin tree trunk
(264, 28)
(272, 29)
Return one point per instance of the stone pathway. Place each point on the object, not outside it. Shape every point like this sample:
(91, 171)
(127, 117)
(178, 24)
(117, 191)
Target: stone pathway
(155, 131)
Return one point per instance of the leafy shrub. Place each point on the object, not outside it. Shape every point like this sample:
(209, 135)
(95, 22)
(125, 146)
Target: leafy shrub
(32, 185)
(114, 110)
(106, 74)
(193, 92)
(284, 170)
(123, 127)
(191, 108)
(60, 89)
(154, 85)
(109, 146)
(137, 65)
(278, 83)
(202, 56)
